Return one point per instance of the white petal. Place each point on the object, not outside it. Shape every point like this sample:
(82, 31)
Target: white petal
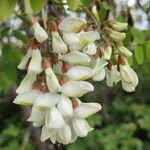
(46, 101)
(76, 89)
(81, 127)
(58, 44)
(37, 116)
(65, 106)
(70, 38)
(107, 52)
(99, 75)
(27, 98)
(76, 47)
(54, 119)
(52, 81)
(85, 110)
(91, 35)
(45, 134)
(35, 63)
(90, 49)
(37, 124)
(75, 57)
(71, 24)
(65, 134)
(39, 33)
(25, 59)
(79, 73)
(57, 68)
(26, 83)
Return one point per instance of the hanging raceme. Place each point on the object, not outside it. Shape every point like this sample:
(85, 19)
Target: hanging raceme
(56, 79)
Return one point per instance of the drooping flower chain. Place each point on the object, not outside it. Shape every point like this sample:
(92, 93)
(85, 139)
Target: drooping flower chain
(55, 82)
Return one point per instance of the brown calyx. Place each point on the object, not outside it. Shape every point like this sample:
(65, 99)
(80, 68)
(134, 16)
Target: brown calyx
(58, 20)
(121, 60)
(45, 89)
(34, 44)
(107, 30)
(66, 66)
(75, 103)
(41, 77)
(63, 80)
(109, 65)
(111, 21)
(46, 63)
(33, 20)
(37, 86)
(53, 26)
(86, 28)
(107, 43)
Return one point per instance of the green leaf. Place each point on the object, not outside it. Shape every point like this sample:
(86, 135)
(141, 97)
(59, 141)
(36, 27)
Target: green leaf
(139, 54)
(130, 60)
(106, 6)
(37, 5)
(148, 50)
(21, 36)
(4, 32)
(102, 14)
(28, 8)
(73, 4)
(6, 9)
(86, 3)
(138, 35)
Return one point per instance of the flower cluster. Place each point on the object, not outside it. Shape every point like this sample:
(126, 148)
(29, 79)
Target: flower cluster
(56, 80)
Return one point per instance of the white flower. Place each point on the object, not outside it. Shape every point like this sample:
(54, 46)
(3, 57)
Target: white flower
(37, 116)
(71, 24)
(112, 76)
(98, 69)
(65, 106)
(75, 57)
(26, 83)
(46, 101)
(81, 127)
(52, 81)
(54, 119)
(70, 38)
(58, 44)
(85, 110)
(65, 134)
(39, 33)
(90, 49)
(27, 98)
(35, 63)
(25, 59)
(76, 88)
(130, 87)
(79, 73)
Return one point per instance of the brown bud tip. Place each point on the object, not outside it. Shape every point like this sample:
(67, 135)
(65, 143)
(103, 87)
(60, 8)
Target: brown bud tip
(53, 26)
(63, 80)
(97, 55)
(46, 63)
(37, 86)
(107, 30)
(121, 60)
(58, 20)
(75, 103)
(109, 65)
(111, 21)
(34, 44)
(45, 89)
(41, 77)
(86, 28)
(33, 20)
(66, 66)
(107, 43)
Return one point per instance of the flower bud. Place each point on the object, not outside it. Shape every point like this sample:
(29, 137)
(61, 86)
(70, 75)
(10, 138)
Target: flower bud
(71, 24)
(75, 57)
(81, 127)
(118, 26)
(114, 35)
(35, 65)
(65, 106)
(26, 83)
(85, 110)
(39, 33)
(27, 98)
(79, 73)
(25, 59)
(124, 51)
(54, 119)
